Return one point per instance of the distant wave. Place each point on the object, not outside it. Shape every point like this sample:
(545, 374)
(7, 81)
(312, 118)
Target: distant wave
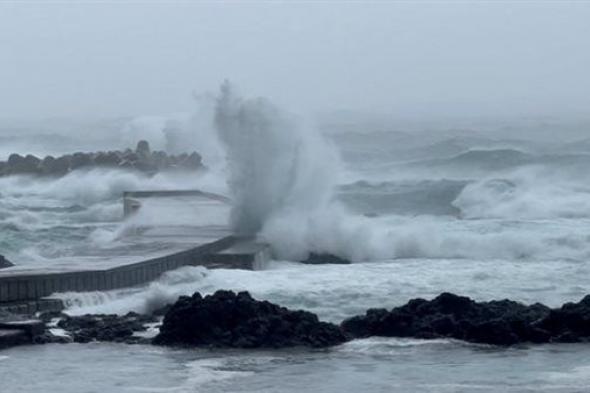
(403, 197)
(530, 193)
(482, 159)
(501, 159)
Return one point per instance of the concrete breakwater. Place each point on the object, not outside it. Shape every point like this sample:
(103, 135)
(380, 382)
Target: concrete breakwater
(26, 291)
(29, 293)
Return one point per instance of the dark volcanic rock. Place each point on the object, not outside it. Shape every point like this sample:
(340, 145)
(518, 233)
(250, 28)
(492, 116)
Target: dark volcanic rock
(226, 319)
(570, 323)
(321, 259)
(115, 328)
(48, 338)
(5, 262)
(497, 322)
(47, 316)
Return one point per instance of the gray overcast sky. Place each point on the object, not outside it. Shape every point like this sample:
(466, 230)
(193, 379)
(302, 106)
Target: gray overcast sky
(412, 58)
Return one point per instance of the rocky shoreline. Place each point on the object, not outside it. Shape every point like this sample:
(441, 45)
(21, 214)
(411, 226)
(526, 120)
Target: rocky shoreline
(141, 159)
(227, 319)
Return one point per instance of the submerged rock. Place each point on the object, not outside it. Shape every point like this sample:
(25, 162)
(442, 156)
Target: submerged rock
(227, 319)
(322, 259)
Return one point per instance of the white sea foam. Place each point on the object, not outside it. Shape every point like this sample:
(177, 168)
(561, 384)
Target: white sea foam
(335, 292)
(203, 371)
(578, 375)
(157, 294)
(393, 346)
(282, 177)
(531, 193)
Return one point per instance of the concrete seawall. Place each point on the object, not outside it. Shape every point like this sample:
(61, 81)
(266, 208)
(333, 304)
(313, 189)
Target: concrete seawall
(25, 290)
(25, 293)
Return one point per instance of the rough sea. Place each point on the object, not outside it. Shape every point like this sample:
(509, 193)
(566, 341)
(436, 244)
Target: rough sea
(479, 213)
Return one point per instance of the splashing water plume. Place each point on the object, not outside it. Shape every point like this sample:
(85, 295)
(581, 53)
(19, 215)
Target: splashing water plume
(277, 168)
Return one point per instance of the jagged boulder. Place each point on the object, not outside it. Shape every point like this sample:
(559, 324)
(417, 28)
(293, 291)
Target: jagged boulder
(227, 319)
(87, 328)
(497, 322)
(569, 323)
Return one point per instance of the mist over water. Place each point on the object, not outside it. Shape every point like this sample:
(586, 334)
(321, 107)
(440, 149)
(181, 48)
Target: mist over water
(349, 189)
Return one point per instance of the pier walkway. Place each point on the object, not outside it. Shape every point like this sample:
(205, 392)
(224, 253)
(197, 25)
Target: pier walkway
(28, 289)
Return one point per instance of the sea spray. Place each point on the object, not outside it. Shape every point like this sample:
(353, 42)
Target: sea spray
(276, 166)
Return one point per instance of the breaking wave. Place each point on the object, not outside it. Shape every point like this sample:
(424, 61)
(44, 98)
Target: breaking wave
(277, 167)
(531, 193)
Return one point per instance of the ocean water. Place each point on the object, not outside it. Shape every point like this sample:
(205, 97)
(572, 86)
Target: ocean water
(481, 215)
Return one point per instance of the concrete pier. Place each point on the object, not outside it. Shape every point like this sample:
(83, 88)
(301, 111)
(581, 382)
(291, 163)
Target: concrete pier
(132, 203)
(26, 290)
